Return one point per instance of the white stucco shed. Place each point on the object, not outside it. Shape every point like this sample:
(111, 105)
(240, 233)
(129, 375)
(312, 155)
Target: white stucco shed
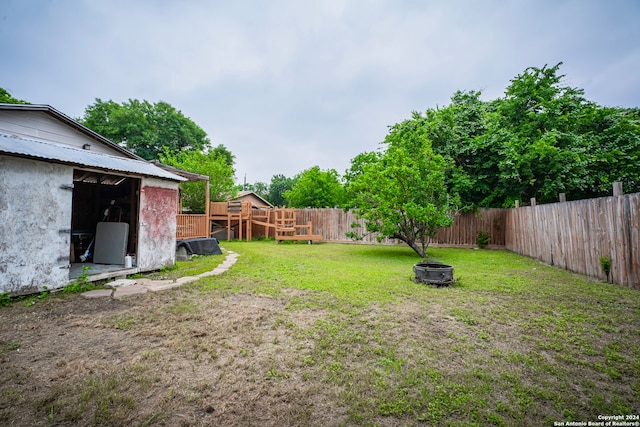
(61, 186)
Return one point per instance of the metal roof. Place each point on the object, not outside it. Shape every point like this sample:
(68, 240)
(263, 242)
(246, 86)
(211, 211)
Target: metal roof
(56, 153)
(47, 109)
(191, 176)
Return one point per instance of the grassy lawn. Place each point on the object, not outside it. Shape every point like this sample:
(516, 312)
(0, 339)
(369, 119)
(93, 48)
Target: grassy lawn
(329, 334)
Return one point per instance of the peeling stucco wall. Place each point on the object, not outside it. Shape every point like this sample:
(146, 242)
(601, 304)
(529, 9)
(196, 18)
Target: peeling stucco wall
(35, 222)
(157, 235)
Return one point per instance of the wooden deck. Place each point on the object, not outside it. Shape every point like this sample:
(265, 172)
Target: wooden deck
(191, 226)
(231, 215)
(241, 217)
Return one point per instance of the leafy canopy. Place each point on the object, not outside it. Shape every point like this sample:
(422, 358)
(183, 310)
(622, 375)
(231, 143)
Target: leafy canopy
(542, 138)
(212, 164)
(7, 98)
(278, 186)
(401, 192)
(260, 188)
(315, 188)
(144, 128)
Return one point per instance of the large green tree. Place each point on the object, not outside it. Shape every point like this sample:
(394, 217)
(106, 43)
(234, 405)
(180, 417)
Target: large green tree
(536, 128)
(212, 164)
(400, 192)
(7, 98)
(278, 186)
(146, 129)
(260, 188)
(224, 153)
(315, 188)
(614, 150)
(455, 132)
(542, 138)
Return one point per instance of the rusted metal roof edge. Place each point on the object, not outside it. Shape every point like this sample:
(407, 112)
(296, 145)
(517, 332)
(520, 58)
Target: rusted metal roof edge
(191, 176)
(71, 123)
(38, 150)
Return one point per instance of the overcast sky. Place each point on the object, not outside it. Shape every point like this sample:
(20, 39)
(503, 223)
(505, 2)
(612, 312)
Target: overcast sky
(289, 84)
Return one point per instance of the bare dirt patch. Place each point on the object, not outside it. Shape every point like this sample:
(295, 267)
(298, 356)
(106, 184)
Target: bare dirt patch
(225, 353)
(161, 359)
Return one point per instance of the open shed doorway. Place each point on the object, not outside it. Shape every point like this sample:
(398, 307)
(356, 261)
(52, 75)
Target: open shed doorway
(100, 198)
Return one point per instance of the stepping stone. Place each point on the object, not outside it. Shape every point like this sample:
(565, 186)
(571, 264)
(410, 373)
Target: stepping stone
(126, 287)
(148, 283)
(156, 287)
(186, 279)
(144, 281)
(98, 293)
(213, 272)
(129, 290)
(120, 282)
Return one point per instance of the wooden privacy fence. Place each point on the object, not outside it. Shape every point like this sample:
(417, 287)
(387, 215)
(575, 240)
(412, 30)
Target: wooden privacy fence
(575, 235)
(571, 235)
(466, 226)
(334, 224)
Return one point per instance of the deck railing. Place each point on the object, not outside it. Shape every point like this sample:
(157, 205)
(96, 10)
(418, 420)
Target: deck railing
(192, 226)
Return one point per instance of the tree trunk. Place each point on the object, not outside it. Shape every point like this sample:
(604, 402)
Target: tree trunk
(413, 245)
(418, 249)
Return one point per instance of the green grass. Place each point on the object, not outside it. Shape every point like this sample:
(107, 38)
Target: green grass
(197, 265)
(342, 335)
(338, 273)
(514, 341)
(110, 398)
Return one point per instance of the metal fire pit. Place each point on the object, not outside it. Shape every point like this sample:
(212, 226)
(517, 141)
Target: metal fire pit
(433, 273)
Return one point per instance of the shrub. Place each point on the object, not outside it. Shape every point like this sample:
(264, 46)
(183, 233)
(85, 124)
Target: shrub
(605, 263)
(483, 239)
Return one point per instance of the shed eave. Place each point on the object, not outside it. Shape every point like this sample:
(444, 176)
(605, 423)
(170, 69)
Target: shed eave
(37, 150)
(71, 123)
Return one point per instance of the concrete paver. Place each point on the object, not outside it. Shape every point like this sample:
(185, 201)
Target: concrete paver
(120, 282)
(98, 293)
(128, 287)
(186, 279)
(157, 287)
(129, 290)
(213, 272)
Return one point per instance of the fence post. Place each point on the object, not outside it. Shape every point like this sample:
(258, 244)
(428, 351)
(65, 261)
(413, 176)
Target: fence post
(617, 189)
(517, 204)
(562, 197)
(533, 201)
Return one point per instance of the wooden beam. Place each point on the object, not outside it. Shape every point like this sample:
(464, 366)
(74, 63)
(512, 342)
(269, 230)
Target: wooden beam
(617, 189)
(207, 206)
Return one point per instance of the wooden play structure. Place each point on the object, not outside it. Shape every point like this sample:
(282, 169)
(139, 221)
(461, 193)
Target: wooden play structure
(263, 217)
(231, 215)
(286, 227)
(277, 222)
(239, 218)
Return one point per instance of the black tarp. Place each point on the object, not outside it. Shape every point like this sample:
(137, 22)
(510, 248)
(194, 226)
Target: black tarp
(201, 246)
